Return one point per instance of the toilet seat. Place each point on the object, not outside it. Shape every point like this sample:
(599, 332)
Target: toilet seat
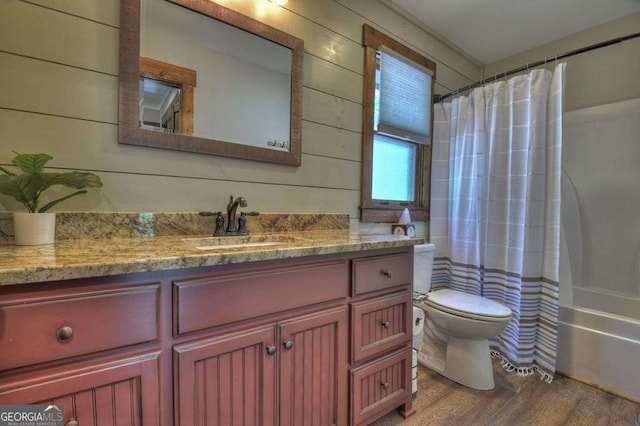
(468, 305)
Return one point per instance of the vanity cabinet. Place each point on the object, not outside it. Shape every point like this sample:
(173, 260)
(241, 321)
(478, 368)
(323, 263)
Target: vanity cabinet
(322, 339)
(297, 365)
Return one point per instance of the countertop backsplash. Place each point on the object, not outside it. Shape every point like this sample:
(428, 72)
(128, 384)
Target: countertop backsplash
(101, 225)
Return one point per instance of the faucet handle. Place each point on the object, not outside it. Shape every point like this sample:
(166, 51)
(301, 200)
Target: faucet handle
(242, 222)
(219, 221)
(219, 224)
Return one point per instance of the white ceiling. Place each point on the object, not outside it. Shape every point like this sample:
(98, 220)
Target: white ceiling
(491, 30)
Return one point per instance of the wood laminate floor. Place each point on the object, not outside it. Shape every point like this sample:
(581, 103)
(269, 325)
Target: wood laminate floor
(515, 401)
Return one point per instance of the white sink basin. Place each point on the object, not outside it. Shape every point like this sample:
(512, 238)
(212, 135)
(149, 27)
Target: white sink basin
(240, 241)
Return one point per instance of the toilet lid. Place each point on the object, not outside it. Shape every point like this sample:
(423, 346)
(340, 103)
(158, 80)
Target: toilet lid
(467, 305)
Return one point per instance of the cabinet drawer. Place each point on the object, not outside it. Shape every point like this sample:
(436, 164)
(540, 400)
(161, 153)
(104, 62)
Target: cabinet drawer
(218, 300)
(378, 273)
(380, 324)
(380, 386)
(120, 391)
(76, 323)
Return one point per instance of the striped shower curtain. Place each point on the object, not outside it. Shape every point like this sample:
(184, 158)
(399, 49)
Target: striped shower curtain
(495, 208)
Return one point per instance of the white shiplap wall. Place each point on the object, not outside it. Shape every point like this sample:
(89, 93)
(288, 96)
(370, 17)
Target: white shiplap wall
(58, 94)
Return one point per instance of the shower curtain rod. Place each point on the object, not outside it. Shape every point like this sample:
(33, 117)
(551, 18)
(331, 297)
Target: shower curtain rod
(440, 98)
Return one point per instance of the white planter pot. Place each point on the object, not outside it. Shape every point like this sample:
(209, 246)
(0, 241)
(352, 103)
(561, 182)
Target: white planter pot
(33, 229)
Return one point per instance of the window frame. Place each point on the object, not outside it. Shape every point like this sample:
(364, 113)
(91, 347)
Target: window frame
(372, 210)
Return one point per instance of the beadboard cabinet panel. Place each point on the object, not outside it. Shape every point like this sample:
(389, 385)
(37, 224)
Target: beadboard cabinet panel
(381, 323)
(44, 33)
(380, 386)
(120, 392)
(313, 369)
(227, 380)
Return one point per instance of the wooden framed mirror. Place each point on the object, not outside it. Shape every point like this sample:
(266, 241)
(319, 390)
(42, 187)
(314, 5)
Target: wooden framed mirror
(252, 111)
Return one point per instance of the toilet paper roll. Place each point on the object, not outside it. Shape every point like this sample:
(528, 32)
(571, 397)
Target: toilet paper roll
(418, 326)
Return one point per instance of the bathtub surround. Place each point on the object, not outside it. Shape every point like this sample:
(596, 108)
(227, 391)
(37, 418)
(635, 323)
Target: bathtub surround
(495, 218)
(600, 257)
(104, 225)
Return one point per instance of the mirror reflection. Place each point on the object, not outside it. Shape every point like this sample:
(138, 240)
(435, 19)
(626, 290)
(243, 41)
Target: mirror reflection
(243, 89)
(159, 105)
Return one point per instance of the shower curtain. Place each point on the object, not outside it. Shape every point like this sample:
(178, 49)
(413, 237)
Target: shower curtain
(495, 208)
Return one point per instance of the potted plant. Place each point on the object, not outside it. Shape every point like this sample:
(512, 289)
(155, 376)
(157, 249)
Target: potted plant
(36, 226)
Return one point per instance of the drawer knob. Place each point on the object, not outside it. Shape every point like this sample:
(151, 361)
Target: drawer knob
(385, 324)
(72, 422)
(288, 344)
(387, 273)
(271, 350)
(385, 385)
(64, 333)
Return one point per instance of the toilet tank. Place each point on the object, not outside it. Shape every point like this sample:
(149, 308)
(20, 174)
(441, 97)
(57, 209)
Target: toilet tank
(423, 267)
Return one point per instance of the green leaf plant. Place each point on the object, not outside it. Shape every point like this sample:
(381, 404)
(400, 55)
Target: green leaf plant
(27, 187)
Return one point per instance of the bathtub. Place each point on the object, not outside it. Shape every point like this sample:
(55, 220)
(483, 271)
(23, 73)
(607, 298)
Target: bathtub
(600, 349)
(599, 315)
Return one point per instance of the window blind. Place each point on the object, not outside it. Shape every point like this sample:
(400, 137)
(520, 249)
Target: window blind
(405, 98)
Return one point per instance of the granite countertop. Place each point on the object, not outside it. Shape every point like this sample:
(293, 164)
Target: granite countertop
(83, 258)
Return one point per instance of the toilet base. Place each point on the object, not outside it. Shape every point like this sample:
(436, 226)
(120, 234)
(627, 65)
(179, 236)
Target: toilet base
(467, 362)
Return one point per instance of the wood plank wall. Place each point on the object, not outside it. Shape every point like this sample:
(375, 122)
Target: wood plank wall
(59, 80)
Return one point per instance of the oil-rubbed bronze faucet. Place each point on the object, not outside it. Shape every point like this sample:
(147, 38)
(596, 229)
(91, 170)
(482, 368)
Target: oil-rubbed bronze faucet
(234, 227)
(231, 213)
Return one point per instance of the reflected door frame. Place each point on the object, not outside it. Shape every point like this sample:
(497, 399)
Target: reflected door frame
(184, 78)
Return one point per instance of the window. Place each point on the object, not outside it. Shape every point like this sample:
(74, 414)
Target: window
(397, 120)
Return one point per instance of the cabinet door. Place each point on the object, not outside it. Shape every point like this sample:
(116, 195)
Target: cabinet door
(122, 392)
(313, 375)
(226, 380)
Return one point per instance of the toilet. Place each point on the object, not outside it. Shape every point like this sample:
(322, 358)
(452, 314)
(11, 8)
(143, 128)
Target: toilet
(457, 327)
